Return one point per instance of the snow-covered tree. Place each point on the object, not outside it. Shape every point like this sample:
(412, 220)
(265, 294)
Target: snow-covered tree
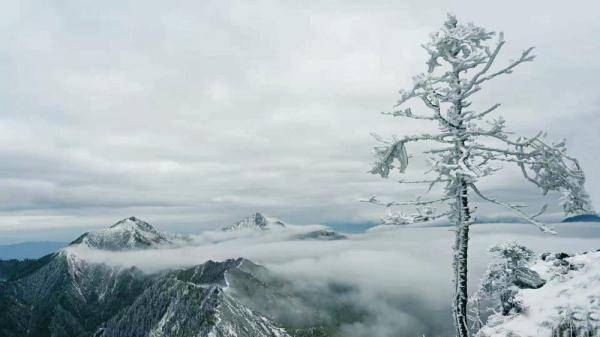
(499, 283)
(468, 144)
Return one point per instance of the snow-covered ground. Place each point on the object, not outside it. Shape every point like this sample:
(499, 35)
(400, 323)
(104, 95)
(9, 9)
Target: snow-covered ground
(571, 297)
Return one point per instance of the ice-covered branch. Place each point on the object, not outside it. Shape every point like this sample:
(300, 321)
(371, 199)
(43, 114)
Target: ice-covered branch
(517, 210)
(402, 218)
(551, 169)
(408, 113)
(491, 58)
(422, 181)
(417, 202)
(471, 116)
(386, 158)
(525, 57)
(387, 155)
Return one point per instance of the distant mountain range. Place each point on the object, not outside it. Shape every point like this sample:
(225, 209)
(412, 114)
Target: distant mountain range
(134, 233)
(63, 294)
(583, 218)
(37, 249)
(29, 250)
(258, 222)
(255, 221)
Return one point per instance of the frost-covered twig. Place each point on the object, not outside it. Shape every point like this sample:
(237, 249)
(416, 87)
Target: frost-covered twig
(517, 210)
(418, 202)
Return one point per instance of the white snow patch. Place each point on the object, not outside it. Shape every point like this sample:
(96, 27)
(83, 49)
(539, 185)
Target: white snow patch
(574, 292)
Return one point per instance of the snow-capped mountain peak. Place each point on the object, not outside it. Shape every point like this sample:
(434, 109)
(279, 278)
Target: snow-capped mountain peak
(127, 234)
(133, 223)
(255, 221)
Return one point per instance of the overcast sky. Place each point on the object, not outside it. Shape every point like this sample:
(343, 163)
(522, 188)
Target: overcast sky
(193, 114)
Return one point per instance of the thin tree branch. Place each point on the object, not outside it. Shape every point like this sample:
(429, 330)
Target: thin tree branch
(530, 218)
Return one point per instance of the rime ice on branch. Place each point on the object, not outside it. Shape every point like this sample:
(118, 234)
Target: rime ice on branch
(468, 144)
(471, 144)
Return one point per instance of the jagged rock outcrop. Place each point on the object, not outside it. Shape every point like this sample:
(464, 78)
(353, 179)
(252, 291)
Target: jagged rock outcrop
(526, 278)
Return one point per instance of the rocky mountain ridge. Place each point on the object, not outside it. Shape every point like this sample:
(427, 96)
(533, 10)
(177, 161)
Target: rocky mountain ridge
(63, 294)
(68, 296)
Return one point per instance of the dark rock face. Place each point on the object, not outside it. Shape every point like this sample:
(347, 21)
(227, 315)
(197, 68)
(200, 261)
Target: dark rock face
(528, 279)
(545, 255)
(560, 260)
(557, 256)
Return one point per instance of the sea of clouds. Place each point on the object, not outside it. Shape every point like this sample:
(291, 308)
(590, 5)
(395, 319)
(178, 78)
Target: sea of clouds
(401, 276)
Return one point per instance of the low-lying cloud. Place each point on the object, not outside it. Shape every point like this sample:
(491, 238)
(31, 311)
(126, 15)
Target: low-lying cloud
(401, 277)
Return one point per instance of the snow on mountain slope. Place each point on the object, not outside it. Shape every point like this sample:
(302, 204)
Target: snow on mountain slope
(67, 295)
(193, 302)
(128, 234)
(253, 222)
(75, 293)
(567, 305)
(64, 295)
(257, 224)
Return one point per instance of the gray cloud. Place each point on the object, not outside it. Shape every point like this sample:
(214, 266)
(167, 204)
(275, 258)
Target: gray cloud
(197, 114)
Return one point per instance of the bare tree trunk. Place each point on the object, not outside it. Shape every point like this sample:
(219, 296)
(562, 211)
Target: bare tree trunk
(460, 262)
